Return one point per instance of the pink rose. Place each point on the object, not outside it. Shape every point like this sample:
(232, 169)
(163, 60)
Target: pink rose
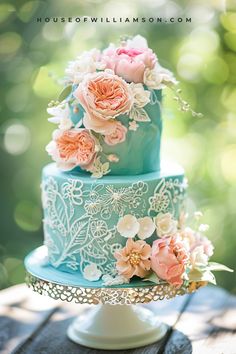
(168, 260)
(117, 136)
(129, 63)
(104, 96)
(71, 148)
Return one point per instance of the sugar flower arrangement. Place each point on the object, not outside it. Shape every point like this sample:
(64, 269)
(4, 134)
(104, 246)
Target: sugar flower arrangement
(163, 249)
(101, 88)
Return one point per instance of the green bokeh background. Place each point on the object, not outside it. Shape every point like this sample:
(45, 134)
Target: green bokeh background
(202, 54)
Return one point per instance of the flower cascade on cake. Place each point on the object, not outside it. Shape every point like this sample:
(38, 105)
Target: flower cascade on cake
(107, 98)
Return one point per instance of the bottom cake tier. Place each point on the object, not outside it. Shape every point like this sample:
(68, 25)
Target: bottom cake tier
(81, 215)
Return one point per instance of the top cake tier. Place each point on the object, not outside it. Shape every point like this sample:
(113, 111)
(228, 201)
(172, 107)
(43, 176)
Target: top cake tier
(109, 113)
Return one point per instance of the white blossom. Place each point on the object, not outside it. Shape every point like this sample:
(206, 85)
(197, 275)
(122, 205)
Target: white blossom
(141, 97)
(87, 62)
(91, 272)
(158, 77)
(146, 227)
(108, 280)
(198, 258)
(61, 116)
(128, 226)
(165, 225)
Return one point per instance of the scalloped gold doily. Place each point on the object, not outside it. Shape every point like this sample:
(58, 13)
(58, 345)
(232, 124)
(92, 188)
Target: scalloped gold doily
(113, 296)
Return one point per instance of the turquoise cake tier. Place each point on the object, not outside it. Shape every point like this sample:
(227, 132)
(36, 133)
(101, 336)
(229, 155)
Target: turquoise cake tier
(140, 152)
(81, 213)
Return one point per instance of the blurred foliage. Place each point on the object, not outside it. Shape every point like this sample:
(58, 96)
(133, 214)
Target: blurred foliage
(201, 53)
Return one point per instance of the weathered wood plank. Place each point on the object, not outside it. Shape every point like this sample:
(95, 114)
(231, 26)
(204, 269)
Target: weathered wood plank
(204, 322)
(209, 323)
(51, 336)
(21, 314)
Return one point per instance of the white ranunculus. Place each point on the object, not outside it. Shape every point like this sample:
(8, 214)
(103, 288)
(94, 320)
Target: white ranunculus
(61, 116)
(87, 62)
(146, 227)
(91, 272)
(141, 97)
(198, 258)
(137, 42)
(158, 78)
(108, 280)
(165, 225)
(128, 226)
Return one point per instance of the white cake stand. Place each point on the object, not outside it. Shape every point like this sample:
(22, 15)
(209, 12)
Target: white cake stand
(117, 322)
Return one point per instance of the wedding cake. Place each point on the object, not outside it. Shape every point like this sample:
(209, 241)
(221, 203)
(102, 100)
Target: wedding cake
(112, 212)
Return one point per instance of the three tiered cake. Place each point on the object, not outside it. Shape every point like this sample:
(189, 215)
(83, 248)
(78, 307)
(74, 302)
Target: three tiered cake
(112, 212)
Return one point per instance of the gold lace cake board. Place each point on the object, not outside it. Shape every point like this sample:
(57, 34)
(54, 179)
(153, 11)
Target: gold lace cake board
(49, 281)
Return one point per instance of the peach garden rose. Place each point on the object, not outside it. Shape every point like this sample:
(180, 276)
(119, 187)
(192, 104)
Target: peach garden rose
(71, 148)
(169, 259)
(104, 96)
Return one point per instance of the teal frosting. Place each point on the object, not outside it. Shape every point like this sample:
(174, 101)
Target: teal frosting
(140, 152)
(81, 213)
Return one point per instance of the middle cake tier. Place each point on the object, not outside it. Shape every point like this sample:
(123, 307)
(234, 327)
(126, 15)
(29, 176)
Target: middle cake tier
(81, 214)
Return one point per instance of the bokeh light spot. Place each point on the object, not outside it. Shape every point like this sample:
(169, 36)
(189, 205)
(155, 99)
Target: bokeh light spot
(228, 21)
(15, 270)
(5, 11)
(27, 10)
(216, 71)
(44, 86)
(190, 66)
(230, 40)
(10, 42)
(228, 163)
(28, 216)
(16, 138)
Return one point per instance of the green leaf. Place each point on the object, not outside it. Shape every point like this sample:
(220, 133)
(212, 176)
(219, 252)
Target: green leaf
(207, 275)
(153, 278)
(218, 267)
(65, 93)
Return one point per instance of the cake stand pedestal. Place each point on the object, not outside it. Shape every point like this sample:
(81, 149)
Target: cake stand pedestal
(117, 322)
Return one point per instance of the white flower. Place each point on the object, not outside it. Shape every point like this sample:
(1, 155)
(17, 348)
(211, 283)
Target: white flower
(91, 272)
(128, 226)
(133, 125)
(158, 78)
(138, 42)
(141, 97)
(146, 227)
(61, 114)
(203, 227)
(87, 62)
(117, 280)
(165, 225)
(198, 258)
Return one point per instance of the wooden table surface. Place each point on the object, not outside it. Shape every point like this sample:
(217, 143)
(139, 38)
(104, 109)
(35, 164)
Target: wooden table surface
(201, 323)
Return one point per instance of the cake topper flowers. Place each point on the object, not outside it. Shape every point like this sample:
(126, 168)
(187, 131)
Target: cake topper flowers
(106, 100)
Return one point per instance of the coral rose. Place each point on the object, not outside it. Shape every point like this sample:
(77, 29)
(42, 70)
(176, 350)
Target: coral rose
(168, 260)
(72, 148)
(133, 259)
(117, 136)
(130, 62)
(104, 96)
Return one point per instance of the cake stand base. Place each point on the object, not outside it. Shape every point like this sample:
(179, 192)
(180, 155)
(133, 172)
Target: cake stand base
(116, 327)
